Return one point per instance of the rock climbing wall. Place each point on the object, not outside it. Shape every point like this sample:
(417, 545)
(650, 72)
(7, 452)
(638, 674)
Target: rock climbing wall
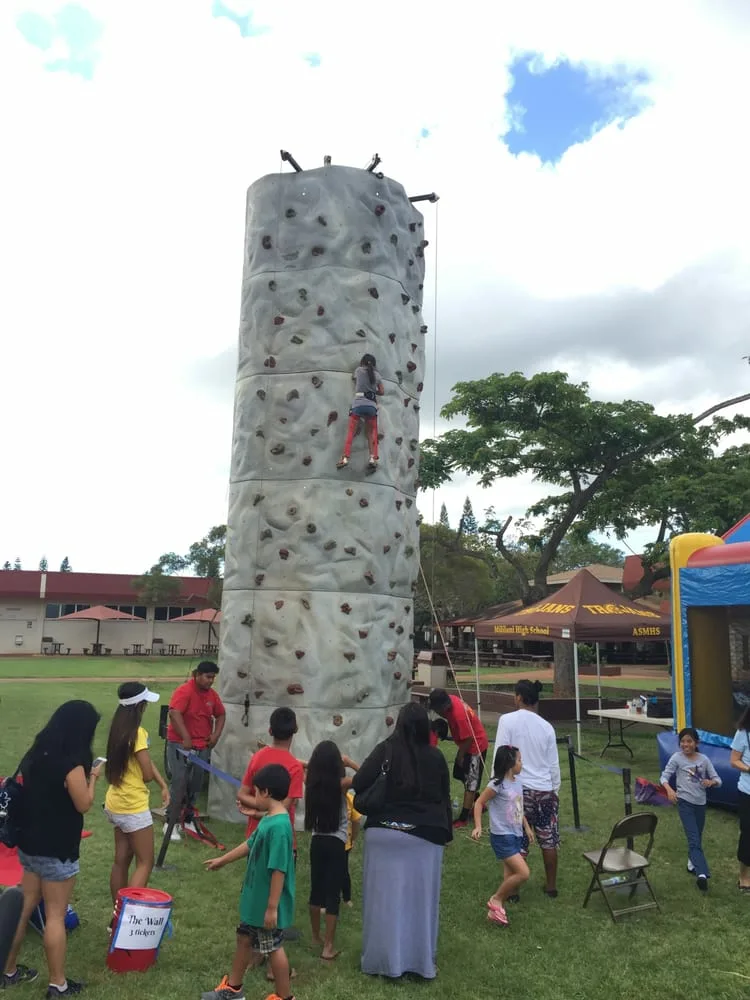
(321, 564)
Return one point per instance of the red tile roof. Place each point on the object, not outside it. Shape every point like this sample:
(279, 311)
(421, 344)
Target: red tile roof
(93, 588)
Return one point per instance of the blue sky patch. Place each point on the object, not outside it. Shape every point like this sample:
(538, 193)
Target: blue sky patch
(247, 28)
(551, 108)
(312, 59)
(424, 133)
(73, 25)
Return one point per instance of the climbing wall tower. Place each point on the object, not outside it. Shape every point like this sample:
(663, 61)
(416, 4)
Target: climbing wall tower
(321, 564)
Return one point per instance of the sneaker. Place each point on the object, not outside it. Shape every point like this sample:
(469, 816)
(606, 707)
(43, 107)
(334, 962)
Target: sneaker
(23, 974)
(224, 992)
(342, 462)
(691, 868)
(459, 823)
(72, 989)
(190, 827)
(373, 462)
(175, 833)
(702, 883)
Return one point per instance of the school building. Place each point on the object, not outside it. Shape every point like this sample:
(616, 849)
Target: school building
(32, 604)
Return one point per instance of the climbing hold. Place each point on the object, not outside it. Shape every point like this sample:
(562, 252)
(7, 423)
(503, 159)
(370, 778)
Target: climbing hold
(392, 337)
(361, 695)
(381, 437)
(350, 550)
(296, 339)
(283, 420)
(399, 630)
(419, 252)
(302, 292)
(321, 311)
(242, 674)
(369, 577)
(269, 362)
(391, 624)
(349, 657)
(409, 502)
(322, 220)
(398, 535)
(399, 375)
(374, 292)
(270, 643)
(409, 550)
(318, 251)
(266, 533)
(259, 433)
(360, 333)
(423, 329)
(406, 401)
(338, 720)
(420, 386)
(311, 529)
(257, 499)
(266, 243)
(316, 381)
(414, 348)
(307, 460)
(290, 213)
(259, 578)
(248, 620)
(363, 633)
(332, 417)
(412, 227)
(410, 463)
(416, 407)
(407, 609)
(415, 309)
(379, 209)
(314, 431)
(272, 285)
(397, 675)
(405, 298)
(295, 689)
(394, 239)
(346, 608)
(299, 653)
(420, 287)
(398, 504)
(305, 603)
(364, 502)
(411, 262)
(291, 510)
(329, 546)
(399, 440)
(261, 393)
(278, 605)
(389, 720)
(258, 694)
(386, 548)
(278, 320)
(366, 246)
(425, 243)
(293, 394)
(278, 449)
(283, 553)
(409, 684)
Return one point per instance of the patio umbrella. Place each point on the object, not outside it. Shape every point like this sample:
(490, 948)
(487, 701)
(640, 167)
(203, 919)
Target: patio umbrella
(210, 615)
(99, 614)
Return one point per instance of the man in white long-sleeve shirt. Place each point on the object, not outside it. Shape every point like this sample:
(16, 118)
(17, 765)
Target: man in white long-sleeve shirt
(540, 774)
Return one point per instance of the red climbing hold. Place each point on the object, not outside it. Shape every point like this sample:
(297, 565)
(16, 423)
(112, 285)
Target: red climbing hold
(332, 417)
(369, 577)
(349, 657)
(295, 689)
(259, 578)
(299, 653)
(363, 633)
(346, 608)
(386, 548)
(278, 605)
(364, 502)
(283, 553)
(379, 209)
(321, 311)
(420, 386)
(338, 720)
(278, 320)
(397, 675)
(389, 720)
(410, 366)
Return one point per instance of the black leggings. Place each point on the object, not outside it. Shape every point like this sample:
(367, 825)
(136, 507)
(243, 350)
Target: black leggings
(327, 872)
(346, 888)
(743, 811)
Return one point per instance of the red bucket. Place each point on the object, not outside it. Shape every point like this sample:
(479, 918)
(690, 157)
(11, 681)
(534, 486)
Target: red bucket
(140, 919)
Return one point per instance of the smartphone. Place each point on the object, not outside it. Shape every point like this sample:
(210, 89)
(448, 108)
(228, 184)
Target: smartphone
(99, 761)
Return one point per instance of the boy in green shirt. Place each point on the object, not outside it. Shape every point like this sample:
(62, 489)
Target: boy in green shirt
(267, 897)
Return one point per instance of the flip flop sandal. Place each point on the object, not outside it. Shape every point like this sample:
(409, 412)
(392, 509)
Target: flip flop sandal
(492, 905)
(498, 916)
(330, 958)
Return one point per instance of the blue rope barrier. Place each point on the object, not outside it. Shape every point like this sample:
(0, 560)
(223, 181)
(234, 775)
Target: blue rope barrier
(194, 759)
(594, 763)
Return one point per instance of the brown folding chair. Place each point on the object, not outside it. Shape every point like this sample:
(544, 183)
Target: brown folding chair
(612, 861)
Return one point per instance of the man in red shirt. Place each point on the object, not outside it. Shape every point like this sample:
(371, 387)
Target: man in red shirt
(196, 721)
(470, 737)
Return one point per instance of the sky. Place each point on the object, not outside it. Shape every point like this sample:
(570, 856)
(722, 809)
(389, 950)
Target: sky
(592, 170)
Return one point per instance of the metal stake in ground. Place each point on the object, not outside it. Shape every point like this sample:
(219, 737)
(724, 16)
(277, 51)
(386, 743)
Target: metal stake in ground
(174, 812)
(576, 828)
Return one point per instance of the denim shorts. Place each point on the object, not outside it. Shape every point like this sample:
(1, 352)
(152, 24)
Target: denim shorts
(130, 822)
(48, 869)
(505, 845)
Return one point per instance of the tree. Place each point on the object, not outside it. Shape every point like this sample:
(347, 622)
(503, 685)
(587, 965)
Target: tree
(43, 564)
(468, 524)
(156, 587)
(205, 558)
(444, 516)
(551, 429)
(17, 563)
(65, 566)
(7, 565)
(578, 549)
(458, 581)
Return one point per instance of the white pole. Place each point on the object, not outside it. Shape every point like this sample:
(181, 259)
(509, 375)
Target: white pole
(578, 696)
(599, 681)
(476, 671)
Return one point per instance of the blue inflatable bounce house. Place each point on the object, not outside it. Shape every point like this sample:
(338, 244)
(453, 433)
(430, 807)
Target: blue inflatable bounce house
(711, 645)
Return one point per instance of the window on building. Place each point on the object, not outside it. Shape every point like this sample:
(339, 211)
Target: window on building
(52, 611)
(160, 614)
(139, 611)
(67, 609)
(166, 614)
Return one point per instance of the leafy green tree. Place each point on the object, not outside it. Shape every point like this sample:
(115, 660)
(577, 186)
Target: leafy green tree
(459, 582)
(43, 564)
(65, 566)
(577, 550)
(468, 524)
(7, 565)
(17, 563)
(549, 428)
(205, 558)
(156, 587)
(444, 516)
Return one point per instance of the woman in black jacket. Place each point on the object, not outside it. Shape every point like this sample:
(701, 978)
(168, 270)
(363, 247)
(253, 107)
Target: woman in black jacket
(404, 844)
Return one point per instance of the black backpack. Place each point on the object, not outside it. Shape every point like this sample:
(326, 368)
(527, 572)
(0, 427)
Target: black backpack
(11, 809)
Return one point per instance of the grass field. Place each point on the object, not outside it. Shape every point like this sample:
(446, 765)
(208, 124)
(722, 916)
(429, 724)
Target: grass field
(553, 949)
(119, 668)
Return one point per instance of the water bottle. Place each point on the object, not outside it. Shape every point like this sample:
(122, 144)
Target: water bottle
(617, 880)
(455, 804)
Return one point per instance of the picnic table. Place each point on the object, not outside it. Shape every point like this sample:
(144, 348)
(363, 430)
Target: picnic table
(626, 720)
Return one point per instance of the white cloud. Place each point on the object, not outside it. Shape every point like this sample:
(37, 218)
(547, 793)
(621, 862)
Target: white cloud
(123, 199)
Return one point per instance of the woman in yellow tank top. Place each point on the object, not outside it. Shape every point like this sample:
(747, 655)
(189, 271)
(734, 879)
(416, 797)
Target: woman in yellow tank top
(129, 769)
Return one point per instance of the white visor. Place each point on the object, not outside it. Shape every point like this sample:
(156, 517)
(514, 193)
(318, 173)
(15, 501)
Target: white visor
(145, 695)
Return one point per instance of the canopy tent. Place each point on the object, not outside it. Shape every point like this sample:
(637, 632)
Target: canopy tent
(584, 610)
(210, 615)
(99, 614)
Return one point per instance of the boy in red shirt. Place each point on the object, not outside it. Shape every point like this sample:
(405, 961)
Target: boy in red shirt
(196, 721)
(470, 737)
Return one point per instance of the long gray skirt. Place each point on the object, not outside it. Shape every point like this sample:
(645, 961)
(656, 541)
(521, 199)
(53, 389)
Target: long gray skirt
(400, 904)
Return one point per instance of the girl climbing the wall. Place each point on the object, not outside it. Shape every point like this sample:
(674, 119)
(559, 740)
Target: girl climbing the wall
(367, 388)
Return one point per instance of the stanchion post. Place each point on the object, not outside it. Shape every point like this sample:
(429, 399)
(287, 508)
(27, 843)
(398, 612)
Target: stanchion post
(628, 799)
(573, 784)
(173, 814)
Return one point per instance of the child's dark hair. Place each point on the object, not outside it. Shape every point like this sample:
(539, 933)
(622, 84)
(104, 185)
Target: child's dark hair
(689, 731)
(439, 700)
(368, 362)
(528, 691)
(274, 779)
(325, 769)
(283, 723)
(505, 759)
(123, 732)
(744, 722)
